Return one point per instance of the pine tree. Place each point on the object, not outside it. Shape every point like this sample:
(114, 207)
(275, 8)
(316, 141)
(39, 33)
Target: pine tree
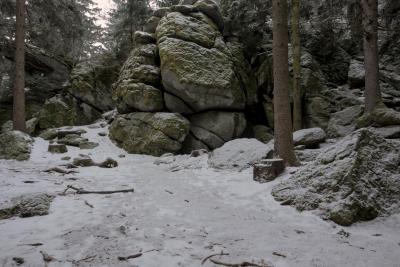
(296, 51)
(371, 57)
(127, 17)
(282, 114)
(19, 79)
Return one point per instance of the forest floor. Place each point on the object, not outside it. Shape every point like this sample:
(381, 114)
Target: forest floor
(179, 214)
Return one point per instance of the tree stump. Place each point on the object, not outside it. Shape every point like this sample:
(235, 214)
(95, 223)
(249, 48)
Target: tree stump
(57, 148)
(267, 170)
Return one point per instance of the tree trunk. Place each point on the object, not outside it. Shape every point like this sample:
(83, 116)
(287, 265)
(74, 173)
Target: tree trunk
(282, 114)
(19, 82)
(296, 49)
(371, 58)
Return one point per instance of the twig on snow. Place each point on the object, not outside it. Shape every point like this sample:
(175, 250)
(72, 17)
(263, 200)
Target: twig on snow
(83, 191)
(88, 204)
(278, 254)
(137, 255)
(59, 170)
(213, 255)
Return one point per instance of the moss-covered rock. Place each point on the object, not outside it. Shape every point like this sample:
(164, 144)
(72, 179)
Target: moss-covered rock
(199, 29)
(203, 78)
(15, 145)
(61, 111)
(356, 179)
(214, 128)
(150, 133)
(92, 84)
(138, 96)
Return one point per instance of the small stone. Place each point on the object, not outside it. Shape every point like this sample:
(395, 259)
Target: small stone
(48, 134)
(64, 133)
(122, 156)
(72, 140)
(94, 126)
(18, 260)
(65, 158)
(83, 162)
(102, 134)
(267, 170)
(300, 147)
(167, 158)
(108, 163)
(88, 145)
(198, 153)
(58, 148)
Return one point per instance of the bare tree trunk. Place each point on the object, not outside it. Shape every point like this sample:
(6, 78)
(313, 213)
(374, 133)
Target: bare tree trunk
(19, 82)
(296, 49)
(282, 114)
(371, 58)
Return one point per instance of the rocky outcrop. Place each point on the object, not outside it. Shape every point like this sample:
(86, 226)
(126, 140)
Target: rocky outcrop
(44, 78)
(356, 179)
(15, 145)
(150, 133)
(343, 122)
(65, 110)
(91, 83)
(181, 64)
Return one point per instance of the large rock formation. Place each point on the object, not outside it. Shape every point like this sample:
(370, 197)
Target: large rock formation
(181, 64)
(353, 180)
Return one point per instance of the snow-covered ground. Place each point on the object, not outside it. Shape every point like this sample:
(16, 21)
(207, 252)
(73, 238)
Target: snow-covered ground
(182, 212)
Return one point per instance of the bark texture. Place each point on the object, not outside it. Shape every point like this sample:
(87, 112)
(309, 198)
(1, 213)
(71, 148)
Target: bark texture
(296, 48)
(282, 113)
(19, 82)
(371, 58)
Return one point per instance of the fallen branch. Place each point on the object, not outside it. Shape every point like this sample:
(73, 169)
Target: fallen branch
(278, 254)
(213, 255)
(33, 244)
(87, 259)
(83, 191)
(59, 170)
(130, 257)
(242, 264)
(137, 255)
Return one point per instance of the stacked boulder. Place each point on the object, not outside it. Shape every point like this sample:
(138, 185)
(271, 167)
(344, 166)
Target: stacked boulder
(182, 77)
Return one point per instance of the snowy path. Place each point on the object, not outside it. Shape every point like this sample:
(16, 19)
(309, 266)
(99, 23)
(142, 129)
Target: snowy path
(183, 215)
